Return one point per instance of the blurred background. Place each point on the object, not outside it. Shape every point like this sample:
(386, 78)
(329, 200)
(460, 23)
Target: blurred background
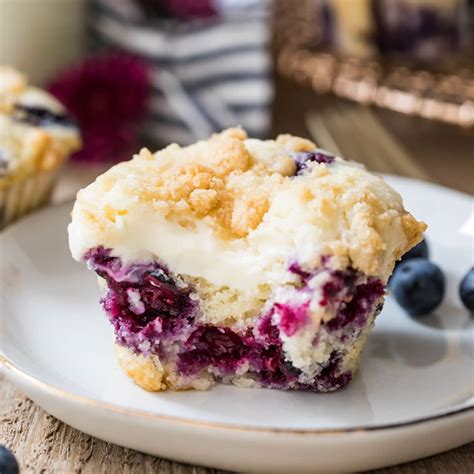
(389, 83)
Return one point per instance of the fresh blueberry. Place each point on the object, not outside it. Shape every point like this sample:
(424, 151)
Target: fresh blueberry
(418, 251)
(418, 286)
(8, 464)
(466, 290)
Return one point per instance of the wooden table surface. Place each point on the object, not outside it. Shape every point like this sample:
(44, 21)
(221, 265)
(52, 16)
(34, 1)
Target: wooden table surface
(43, 444)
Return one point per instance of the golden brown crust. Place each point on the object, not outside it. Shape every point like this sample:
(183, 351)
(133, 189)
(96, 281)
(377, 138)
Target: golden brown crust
(414, 232)
(296, 144)
(144, 371)
(148, 372)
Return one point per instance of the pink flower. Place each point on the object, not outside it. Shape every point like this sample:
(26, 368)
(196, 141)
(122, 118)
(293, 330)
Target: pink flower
(187, 9)
(180, 9)
(108, 96)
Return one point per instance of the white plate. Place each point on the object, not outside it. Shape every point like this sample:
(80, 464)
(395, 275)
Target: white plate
(412, 398)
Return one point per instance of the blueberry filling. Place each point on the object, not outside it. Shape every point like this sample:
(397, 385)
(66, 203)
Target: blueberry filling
(142, 302)
(355, 311)
(340, 282)
(210, 346)
(331, 375)
(303, 159)
(153, 313)
(223, 350)
(297, 270)
(292, 318)
(41, 117)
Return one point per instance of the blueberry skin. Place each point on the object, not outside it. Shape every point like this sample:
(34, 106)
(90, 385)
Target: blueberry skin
(418, 285)
(8, 464)
(466, 290)
(41, 117)
(420, 250)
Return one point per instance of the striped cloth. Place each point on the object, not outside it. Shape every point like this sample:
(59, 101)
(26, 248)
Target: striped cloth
(207, 74)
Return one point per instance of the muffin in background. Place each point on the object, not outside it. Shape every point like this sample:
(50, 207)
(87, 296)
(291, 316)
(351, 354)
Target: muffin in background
(421, 30)
(36, 137)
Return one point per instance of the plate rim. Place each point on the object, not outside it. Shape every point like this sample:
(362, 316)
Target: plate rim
(7, 365)
(55, 391)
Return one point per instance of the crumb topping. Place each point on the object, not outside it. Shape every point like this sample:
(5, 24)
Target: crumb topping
(247, 192)
(221, 179)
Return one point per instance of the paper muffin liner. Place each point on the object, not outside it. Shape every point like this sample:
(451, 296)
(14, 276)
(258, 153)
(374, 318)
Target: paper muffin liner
(19, 198)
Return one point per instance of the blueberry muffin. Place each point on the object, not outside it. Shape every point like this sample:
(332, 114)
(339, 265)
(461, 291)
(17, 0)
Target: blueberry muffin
(256, 263)
(425, 30)
(36, 137)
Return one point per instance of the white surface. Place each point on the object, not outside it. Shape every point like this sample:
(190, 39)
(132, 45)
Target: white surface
(39, 37)
(57, 349)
